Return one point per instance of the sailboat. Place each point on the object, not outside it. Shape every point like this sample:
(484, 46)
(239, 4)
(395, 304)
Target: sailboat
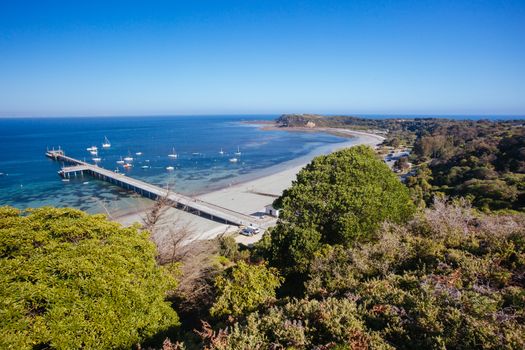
(96, 159)
(94, 152)
(221, 151)
(120, 161)
(106, 143)
(238, 153)
(169, 168)
(173, 154)
(129, 158)
(234, 160)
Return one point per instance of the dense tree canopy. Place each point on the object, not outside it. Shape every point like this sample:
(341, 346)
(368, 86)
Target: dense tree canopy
(482, 161)
(340, 198)
(464, 156)
(70, 280)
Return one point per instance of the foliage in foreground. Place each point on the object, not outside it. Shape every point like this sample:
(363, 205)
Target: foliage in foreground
(449, 279)
(70, 280)
(244, 288)
(341, 198)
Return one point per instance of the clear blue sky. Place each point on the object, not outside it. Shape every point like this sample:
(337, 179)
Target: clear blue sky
(219, 57)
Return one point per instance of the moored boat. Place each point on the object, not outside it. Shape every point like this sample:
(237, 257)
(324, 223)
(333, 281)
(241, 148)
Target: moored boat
(173, 154)
(106, 143)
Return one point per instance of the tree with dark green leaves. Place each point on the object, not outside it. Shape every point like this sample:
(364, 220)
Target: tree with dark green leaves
(341, 198)
(70, 280)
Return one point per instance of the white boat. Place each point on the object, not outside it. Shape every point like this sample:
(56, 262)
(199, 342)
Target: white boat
(106, 143)
(96, 159)
(145, 166)
(127, 165)
(238, 153)
(92, 148)
(94, 153)
(120, 161)
(173, 154)
(169, 168)
(234, 160)
(221, 151)
(128, 159)
(65, 180)
(138, 153)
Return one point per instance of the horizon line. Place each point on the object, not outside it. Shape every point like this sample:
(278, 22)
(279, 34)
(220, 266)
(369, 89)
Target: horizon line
(364, 115)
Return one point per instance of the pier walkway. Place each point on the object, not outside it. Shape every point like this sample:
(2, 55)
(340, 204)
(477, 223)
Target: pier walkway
(192, 205)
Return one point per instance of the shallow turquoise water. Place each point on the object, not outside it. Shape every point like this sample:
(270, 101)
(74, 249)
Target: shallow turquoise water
(30, 180)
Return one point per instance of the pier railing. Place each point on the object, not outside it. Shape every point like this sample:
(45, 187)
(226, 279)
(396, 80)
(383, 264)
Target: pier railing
(193, 205)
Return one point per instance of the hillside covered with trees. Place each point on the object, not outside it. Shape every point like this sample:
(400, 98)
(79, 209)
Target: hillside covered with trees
(479, 159)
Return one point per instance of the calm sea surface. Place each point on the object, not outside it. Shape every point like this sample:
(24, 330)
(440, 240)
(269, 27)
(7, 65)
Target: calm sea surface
(29, 179)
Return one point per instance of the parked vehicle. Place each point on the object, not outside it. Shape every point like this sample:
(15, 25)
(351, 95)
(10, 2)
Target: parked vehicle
(250, 231)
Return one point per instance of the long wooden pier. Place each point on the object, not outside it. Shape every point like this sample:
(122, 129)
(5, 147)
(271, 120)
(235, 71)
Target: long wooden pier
(193, 205)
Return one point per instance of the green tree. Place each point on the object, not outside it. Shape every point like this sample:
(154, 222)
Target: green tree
(340, 198)
(243, 288)
(71, 280)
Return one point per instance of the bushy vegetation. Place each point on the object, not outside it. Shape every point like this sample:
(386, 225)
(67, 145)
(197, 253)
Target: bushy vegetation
(69, 280)
(451, 278)
(341, 198)
(243, 288)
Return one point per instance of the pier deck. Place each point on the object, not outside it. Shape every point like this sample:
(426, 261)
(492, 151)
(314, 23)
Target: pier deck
(145, 189)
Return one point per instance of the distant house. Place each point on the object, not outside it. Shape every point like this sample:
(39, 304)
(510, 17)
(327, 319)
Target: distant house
(270, 210)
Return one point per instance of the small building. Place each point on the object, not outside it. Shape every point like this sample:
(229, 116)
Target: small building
(270, 210)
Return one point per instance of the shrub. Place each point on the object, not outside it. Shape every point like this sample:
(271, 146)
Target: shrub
(341, 198)
(243, 288)
(70, 280)
(452, 278)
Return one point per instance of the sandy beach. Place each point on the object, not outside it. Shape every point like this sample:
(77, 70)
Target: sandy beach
(250, 197)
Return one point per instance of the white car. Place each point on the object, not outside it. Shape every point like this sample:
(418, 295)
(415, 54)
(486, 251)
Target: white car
(250, 231)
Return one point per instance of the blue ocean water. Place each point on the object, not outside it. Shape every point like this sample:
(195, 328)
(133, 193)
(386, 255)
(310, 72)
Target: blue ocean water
(29, 179)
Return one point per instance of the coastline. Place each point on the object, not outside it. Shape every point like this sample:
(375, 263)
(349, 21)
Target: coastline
(249, 194)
